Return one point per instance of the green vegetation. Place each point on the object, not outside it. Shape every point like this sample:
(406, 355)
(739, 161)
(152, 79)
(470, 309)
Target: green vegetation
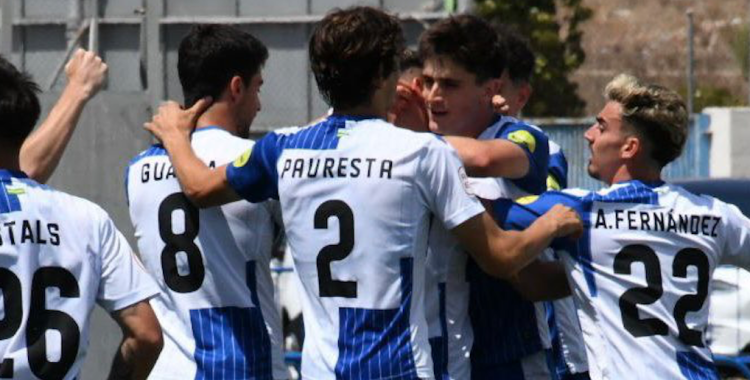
(553, 29)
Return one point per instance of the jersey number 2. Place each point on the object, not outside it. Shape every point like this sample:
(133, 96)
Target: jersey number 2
(180, 242)
(40, 320)
(630, 300)
(329, 287)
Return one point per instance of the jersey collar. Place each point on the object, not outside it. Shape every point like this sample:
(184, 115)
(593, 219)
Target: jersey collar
(7, 174)
(636, 182)
(338, 116)
(208, 128)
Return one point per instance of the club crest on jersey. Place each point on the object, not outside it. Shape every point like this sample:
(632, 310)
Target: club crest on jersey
(523, 138)
(465, 180)
(243, 159)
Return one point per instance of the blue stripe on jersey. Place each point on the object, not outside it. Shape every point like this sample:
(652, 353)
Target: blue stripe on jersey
(693, 367)
(375, 344)
(154, 150)
(9, 202)
(232, 342)
(439, 344)
(535, 180)
(558, 168)
(257, 179)
(634, 192)
(504, 323)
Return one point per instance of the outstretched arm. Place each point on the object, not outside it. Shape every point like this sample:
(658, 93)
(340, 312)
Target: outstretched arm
(172, 126)
(504, 253)
(42, 151)
(141, 344)
(491, 158)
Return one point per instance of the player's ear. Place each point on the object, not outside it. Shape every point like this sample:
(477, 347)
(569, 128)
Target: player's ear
(236, 87)
(632, 147)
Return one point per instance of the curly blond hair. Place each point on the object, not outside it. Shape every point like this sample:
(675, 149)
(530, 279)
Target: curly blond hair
(656, 113)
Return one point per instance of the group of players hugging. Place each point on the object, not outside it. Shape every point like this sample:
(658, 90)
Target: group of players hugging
(431, 232)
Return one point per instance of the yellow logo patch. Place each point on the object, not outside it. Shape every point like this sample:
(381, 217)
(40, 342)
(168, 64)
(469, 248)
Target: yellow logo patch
(552, 183)
(523, 138)
(15, 191)
(243, 159)
(527, 199)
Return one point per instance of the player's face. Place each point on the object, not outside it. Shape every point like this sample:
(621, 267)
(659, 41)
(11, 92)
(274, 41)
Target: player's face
(515, 94)
(606, 139)
(457, 105)
(249, 104)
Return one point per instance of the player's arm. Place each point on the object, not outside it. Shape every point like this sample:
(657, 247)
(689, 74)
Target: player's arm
(542, 281)
(504, 253)
(141, 344)
(42, 151)
(172, 126)
(491, 158)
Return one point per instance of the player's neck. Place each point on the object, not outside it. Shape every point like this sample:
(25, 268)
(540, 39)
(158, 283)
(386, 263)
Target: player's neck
(218, 115)
(9, 157)
(644, 174)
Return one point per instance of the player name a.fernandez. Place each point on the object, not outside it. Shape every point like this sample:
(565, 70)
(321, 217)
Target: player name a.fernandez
(657, 220)
(338, 167)
(29, 232)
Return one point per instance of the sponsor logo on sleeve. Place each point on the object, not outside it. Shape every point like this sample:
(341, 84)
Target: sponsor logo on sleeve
(243, 159)
(523, 138)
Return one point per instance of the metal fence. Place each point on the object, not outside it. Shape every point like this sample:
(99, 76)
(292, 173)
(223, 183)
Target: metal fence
(568, 133)
(139, 38)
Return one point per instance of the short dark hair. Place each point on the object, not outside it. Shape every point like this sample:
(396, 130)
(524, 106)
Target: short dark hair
(409, 59)
(210, 55)
(19, 104)
(350, 50)
(520, 58)
(467, 40)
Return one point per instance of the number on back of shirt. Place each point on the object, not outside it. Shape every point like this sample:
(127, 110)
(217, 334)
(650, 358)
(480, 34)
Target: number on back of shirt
(327, 286)
(180, 243)
(40, 320)
(629, 301)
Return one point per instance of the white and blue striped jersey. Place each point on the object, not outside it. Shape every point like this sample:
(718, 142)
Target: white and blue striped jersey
(357, 195)
(59, 255)
(217, 306)
(641, 274)
(481, 320)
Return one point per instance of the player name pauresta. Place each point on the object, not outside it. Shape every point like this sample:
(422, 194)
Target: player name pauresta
(339, 167)
(15, 232)
(660, 221)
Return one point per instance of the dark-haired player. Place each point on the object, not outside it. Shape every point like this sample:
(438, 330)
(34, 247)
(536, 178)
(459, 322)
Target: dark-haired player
(357, 195)
(217, 304)
(60, 255)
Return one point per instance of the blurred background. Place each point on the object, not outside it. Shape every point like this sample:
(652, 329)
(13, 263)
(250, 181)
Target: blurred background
(698, 47)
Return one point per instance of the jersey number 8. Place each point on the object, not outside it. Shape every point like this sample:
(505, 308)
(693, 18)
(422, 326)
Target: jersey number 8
(180, 242)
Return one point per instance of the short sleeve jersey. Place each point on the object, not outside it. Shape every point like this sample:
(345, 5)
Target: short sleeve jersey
(357, 196)
(216, 306)
(59, 255)
(641, 274)
(485, 321)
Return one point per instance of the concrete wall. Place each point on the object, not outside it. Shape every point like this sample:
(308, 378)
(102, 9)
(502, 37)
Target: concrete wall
(730, 134)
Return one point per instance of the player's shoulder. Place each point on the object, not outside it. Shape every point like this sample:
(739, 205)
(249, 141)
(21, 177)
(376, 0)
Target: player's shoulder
(75, 208)
(155, 150)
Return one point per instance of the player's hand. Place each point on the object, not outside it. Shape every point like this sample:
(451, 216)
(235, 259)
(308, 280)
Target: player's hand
(409, 110)
(564, 221)
(86, 73)
(172, 121)
(500, 105)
